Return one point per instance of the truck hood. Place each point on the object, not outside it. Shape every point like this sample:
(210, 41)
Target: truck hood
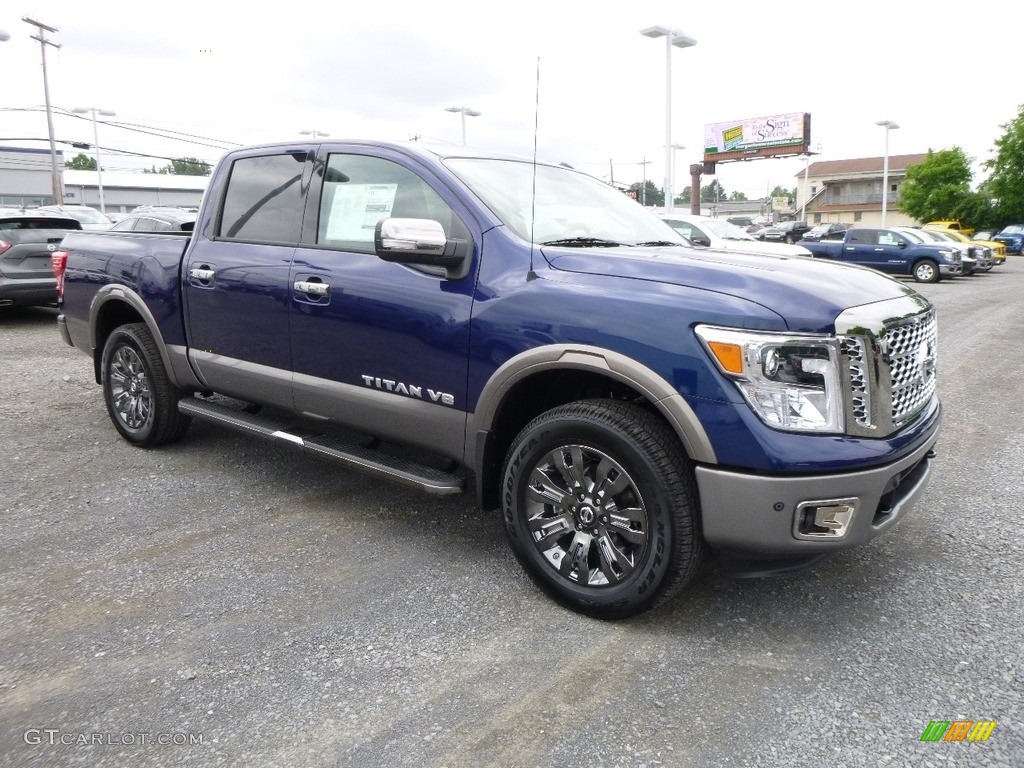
(807, 293)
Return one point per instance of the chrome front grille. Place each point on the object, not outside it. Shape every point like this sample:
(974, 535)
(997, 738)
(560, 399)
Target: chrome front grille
(912, 357)
(888, 351)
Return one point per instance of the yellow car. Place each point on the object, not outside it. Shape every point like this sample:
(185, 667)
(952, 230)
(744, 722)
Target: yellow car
(954, 225)
(998, 249)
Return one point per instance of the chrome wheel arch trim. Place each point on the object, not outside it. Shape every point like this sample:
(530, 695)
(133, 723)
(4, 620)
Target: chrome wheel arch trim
(669, 403)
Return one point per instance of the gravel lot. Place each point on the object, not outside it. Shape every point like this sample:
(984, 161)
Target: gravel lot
(227, 602)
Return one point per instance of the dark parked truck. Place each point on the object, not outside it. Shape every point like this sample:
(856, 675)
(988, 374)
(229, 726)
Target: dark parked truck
(438, 316)
(889, 250)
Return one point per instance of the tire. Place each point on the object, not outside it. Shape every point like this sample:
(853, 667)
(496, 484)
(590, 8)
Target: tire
(141, 401)
(560, 475)
(926, 271)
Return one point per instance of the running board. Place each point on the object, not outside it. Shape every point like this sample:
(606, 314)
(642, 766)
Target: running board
(433, 481)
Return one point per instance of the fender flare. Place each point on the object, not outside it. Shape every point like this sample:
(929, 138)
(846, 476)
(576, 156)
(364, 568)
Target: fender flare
(180, 376)
(669, 403)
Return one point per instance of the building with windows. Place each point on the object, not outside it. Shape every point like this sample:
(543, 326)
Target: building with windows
(851, 191)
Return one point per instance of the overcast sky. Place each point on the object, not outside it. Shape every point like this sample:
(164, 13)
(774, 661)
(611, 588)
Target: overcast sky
(388, 70)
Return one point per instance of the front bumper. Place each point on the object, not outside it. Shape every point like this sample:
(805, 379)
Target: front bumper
(951, 270)
(760, 518)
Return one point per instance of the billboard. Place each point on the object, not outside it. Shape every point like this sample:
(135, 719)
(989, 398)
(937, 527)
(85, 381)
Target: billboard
(773, 136)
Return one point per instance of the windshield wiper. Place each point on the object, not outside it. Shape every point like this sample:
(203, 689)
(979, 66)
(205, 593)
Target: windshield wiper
(583, 242)
(657, 243)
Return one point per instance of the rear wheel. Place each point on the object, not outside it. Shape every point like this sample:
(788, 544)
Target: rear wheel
(926, 271)
(141, 401)
(600, 507)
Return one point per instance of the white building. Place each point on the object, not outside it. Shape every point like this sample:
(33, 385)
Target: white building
(26, 180)
(850, 191)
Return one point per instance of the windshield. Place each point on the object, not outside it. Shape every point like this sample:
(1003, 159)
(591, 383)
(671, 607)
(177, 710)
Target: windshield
(914, 234)
(86, 215)
(725, 230)
(568, 206)
(1013, 229)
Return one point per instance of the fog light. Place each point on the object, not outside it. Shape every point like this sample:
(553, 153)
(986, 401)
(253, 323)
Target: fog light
(828, 519)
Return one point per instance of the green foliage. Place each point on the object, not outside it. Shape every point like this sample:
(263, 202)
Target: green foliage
(183, 166)
(939, 188)
(713, 192)
(81, 162)
(779, 191)
(648, 195)
(738, 197)
(1005, 185)
(684, 198)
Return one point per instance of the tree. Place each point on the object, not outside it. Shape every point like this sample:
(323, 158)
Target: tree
(684, 198)
(184, 166)
(648, 195)
(1005, 185)
(939, 188)
(190, 166)
(81, 162)
(738, 197)
(713, 192)
(789, 194)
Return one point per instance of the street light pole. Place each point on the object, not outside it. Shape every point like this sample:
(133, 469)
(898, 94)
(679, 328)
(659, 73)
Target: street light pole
(679, 40)
(672, 206)
(888, 125)
(96, 146)
(55, 179)
(463, 110)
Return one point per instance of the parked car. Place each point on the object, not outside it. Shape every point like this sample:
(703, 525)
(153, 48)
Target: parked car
(978, 252)
(992, 249)
(90, 218)
(829, 231)
(719, 233)
(901, 252)
(784, 232)
(27, 241)
(1012, 237)
(973, 260)
(157, 220)
(950, 224)
(968, 264)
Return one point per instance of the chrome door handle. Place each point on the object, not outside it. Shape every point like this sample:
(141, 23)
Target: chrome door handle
(315, 289)
(201, 274)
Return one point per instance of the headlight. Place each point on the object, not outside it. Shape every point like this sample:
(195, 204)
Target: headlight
(791, 382)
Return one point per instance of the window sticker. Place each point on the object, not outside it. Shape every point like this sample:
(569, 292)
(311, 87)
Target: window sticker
(356, 209)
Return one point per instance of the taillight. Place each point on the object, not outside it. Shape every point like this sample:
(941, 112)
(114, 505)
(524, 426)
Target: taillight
(59, 262)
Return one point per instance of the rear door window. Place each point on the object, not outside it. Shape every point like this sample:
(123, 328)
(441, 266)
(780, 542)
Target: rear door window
(264, 199)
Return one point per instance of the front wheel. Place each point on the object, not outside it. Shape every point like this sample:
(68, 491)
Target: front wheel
(600, 507)
(141, 401)
(926, 272)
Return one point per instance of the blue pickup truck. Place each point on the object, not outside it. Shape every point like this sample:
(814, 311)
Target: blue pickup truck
(889, 250)
(438, 317)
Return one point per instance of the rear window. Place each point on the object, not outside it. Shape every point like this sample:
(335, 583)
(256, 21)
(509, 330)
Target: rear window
(38, 222)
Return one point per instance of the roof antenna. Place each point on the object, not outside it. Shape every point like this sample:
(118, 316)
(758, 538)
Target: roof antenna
(531, 275)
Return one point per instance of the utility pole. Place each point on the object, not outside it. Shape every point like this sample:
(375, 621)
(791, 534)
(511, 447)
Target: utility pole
(643, 188)
(58, 193)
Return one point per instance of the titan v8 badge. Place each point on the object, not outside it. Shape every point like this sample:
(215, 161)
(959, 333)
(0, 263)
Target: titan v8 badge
(409, 390)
